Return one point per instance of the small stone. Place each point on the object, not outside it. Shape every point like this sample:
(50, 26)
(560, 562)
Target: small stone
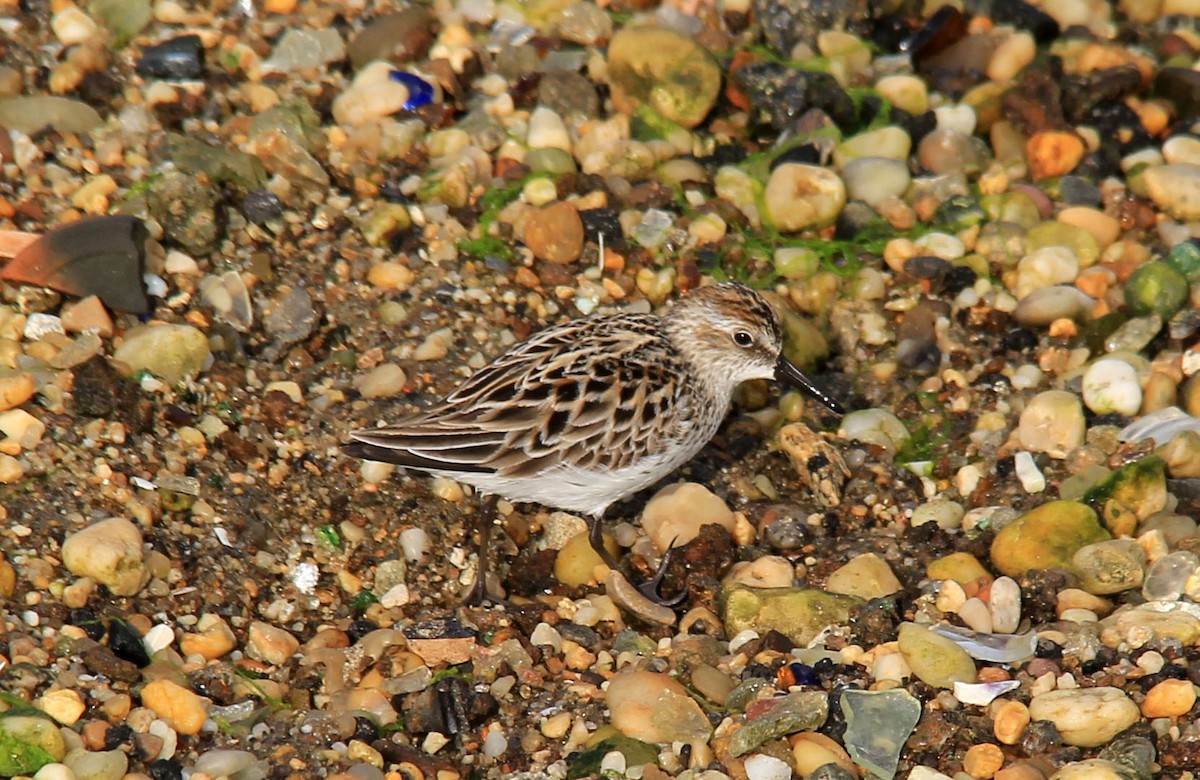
(390, 275)
(983, 761)
(1053, 153)
(1044, 268)
(665, 70)
(214, 640)
(875, 180)
(101, 765)
(800, 614)
(110, 552)
(271, 644)
(1086, 717)
(962, 567)
(878, 723)
(1110, 567)
(1111, 385)
(1169, 699)
(674, 516)
(299, 48)
(183, 711)
(1009, 722)
(1004, 602)
(1046, 537)
(1059, 302)
(866, 576)
(933, 658)
(87, 314)
(1104, 228)
(577, 561)
(1156, 287)
(654, 708)
(547, 131)
(764, 767)
(371, 96)
(384, 381)
(1175, 189)
(768, 719)
(799, 196)
(171, 352)
(555, 233)
(811, 751)
(1053, 423)
(767, 571)
(16, 390)
(72, 26)
(890, 142)
(64, 705)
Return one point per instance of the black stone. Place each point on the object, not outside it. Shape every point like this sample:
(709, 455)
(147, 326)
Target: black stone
(126, 644)
(780, 95)
(1024, 16)
(959, 278)
(920, 356)
(1181, 86)
(945, 28)
(117, 736)
(165, 769)
(606, 221)
(261, 206)
(1084, 94)
(806, 154)
(179, 58)
(1078, 191)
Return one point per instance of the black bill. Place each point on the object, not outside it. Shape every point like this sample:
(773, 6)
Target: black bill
(786, 372)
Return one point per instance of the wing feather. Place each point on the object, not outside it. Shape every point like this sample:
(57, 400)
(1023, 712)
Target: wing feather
(576, 393)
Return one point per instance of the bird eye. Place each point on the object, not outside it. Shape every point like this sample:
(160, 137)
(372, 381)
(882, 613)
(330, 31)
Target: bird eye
(743, 339)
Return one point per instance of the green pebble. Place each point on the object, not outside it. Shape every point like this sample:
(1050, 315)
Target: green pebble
(1185, 258)
(1156, 287)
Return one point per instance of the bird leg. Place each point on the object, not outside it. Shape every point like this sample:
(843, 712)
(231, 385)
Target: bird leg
(650, 587)
(483, 519)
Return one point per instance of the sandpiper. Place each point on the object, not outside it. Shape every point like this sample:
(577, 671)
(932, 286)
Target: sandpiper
(586, 413)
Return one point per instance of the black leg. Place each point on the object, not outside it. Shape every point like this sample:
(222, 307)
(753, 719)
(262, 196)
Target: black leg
(483, 518)
(649, 589)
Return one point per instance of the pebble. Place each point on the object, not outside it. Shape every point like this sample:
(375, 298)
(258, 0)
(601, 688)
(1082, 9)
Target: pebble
(171, 352)
(16, 390)
(109, 552)
(1086, 717)
(983, 761)
(547, 131)
(299, 49)
(1028, 474)
(555, 233)
(1046, 537)
(764, 767)
(1041, 307)
(224, 763)
(1175, 188)
(768, 719)
(384, 381)
(1052, 422)
(371, 96)
(768, 571)
(664, 69)
(1110, 567)
(890, 142)
(1012, 55)
(878, 427)
(271, 644)
(799, 196)
(101, 765)
(1169, 699)
(676, 513)
(865, 576)
(875, 180)
(934, 659)
(800, 614)
(654, 708)
(878, 723)
(1043, 268)
(1004, 602)
(182, 710)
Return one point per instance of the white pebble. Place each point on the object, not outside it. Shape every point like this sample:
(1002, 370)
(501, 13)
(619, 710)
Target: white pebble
(1004, 601)
(763, 767)
(495, 743)
(39, 324)
(158, 638)
(1111, 385)
(373, 472)
(546, 634)
(1031, 477)
(942, 245)
(959, 116)
(383, 381)
(547, 131)
(54, 772)
(414, 542)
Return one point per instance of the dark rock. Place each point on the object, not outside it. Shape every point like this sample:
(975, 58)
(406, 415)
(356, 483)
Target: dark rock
(786, 23)
(99, 391)
(101, 660)
(806, 154)
(1024, 16)
(945, 28)
(127, 644)
(1078, 191)
(928, 267)
(603, 221)
(853, 219)
(1083, 94)
(179, 59)
(1181, 86)
(260, 206)
(920, 356)
(568, 93)
(186, 209)
(165, 769)
(580, 635)
(779, 95)
(532, 574)
(1035, 103)
(117, 736)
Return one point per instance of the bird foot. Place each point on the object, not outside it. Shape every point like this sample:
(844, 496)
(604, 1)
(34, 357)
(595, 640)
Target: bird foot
(649, 588)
